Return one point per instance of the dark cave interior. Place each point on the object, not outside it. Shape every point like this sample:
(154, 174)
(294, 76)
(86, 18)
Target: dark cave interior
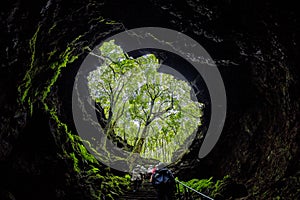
(255, 47)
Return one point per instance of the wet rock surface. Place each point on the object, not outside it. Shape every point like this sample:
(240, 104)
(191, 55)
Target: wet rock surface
(255, 46)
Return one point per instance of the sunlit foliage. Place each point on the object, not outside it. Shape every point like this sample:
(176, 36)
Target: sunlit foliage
(150, 110)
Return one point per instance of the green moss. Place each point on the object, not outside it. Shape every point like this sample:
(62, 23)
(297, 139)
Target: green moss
(70, 145)
(24, 88)
(57, 66)
(76, 168)
(51, 54)
(86, 156)
(94, 170)
(199, 185)
(103, 20)
(207, 186)
(52, 27)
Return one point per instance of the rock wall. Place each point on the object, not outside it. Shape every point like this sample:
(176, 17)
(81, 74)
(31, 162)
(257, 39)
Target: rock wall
(254, 44)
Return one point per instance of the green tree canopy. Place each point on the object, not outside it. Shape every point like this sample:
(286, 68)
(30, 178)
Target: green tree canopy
(150, 110)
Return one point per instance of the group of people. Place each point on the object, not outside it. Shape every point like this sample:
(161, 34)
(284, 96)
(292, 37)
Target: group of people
(161, 178)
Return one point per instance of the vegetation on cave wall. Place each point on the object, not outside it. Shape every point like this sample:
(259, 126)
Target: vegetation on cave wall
(34, 94)
(218, 189)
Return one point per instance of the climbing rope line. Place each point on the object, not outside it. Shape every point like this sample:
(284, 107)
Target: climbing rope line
(194, 190)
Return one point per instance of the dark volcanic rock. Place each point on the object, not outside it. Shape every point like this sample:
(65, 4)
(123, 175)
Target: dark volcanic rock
(255, 46)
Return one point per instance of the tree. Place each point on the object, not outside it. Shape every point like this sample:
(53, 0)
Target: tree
(150, 110)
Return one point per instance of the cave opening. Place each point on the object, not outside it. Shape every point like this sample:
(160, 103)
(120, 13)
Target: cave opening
(139, 98)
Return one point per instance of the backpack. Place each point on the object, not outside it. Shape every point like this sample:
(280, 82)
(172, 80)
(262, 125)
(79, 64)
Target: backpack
(163, 177)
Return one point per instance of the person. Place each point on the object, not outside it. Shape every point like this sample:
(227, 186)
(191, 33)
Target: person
(149, 172)
(143, 172)
(152, 172)
(163, 181)
(136, 178)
